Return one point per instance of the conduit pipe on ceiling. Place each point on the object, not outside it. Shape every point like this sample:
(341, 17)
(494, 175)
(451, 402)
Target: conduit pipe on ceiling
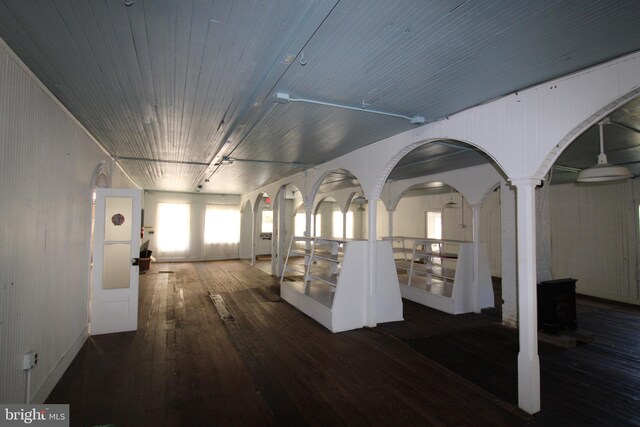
(283, 98)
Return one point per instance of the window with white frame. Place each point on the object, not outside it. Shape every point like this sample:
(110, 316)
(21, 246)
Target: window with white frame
(222, 224)
(173, 227)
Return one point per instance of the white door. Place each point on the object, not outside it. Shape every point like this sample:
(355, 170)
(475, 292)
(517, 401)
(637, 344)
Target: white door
(116, 250)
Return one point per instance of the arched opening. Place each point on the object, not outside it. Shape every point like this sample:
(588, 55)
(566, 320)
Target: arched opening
(284, 224)
(443, 211)
(439, 184)
(340, 208)
(589, 230)
(262, 228)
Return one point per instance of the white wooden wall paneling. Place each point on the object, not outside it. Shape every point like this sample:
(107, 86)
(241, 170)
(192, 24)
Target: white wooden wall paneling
(47, 161)
(594, 238)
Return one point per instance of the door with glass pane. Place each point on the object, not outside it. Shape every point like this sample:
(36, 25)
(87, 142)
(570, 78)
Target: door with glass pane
(116, 251)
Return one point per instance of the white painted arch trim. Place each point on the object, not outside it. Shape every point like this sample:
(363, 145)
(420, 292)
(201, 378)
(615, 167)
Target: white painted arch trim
(474, 183)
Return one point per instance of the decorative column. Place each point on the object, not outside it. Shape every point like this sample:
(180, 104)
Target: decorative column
(509, 262)
(280, 231)
(344, 223)
(372, 276)
(253, 236)
(275, 209)
(475, 209)
(528, 361)
(390, 213)
(308, 209)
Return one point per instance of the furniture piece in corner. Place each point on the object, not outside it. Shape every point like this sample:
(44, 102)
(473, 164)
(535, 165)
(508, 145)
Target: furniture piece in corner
(440, 274)
(325, 278)
(557, 305)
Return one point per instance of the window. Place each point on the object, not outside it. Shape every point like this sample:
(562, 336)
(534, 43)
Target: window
(173, 224)
(300, 224)
(222, 224)
(337, 225)
(318, 225)
(350, 225)
(267, 221)
(434, 224)
(434, 228)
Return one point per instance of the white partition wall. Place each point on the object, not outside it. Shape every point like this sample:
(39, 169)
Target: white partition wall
(326, 282)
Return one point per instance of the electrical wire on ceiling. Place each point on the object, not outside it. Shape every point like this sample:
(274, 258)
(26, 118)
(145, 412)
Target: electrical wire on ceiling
(284, 97)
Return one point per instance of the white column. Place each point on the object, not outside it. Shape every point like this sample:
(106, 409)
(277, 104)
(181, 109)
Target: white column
(275, 214)
(279, 233)
(308, 212)
(253, 237)
(528, 361)
(475, 209)
(509, 251)
(390, 213)
(371, 237)
(344, 223)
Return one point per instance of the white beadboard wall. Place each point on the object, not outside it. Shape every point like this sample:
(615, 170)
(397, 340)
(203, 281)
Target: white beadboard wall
(594, 236)
(47, 162)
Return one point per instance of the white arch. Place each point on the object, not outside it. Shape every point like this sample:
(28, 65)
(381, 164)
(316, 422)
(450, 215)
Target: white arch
(474, 183)
(582, 127)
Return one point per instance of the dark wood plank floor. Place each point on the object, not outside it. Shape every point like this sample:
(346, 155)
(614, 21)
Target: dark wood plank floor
(265, 363)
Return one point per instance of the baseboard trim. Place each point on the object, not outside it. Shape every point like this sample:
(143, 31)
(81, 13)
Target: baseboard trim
(56, 373)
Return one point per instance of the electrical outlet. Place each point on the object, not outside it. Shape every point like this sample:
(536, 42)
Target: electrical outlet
(30, 360)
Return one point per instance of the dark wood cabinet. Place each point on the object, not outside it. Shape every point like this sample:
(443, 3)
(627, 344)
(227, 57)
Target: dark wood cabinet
(557, 305)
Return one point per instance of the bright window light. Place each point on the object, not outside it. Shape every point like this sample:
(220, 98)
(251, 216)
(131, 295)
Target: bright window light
(173, 221)
(336, 226)
(318, 225)
(222, 224)
(267, 221)
(350, 225)
(300, 224)
(434, 224)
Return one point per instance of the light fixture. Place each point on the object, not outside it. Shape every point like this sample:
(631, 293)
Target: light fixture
(359, 201)
(284, 97)
(450, 204)
(603, 171)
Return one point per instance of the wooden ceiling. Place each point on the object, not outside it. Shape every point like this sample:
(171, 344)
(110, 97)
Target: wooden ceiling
(170, 88)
